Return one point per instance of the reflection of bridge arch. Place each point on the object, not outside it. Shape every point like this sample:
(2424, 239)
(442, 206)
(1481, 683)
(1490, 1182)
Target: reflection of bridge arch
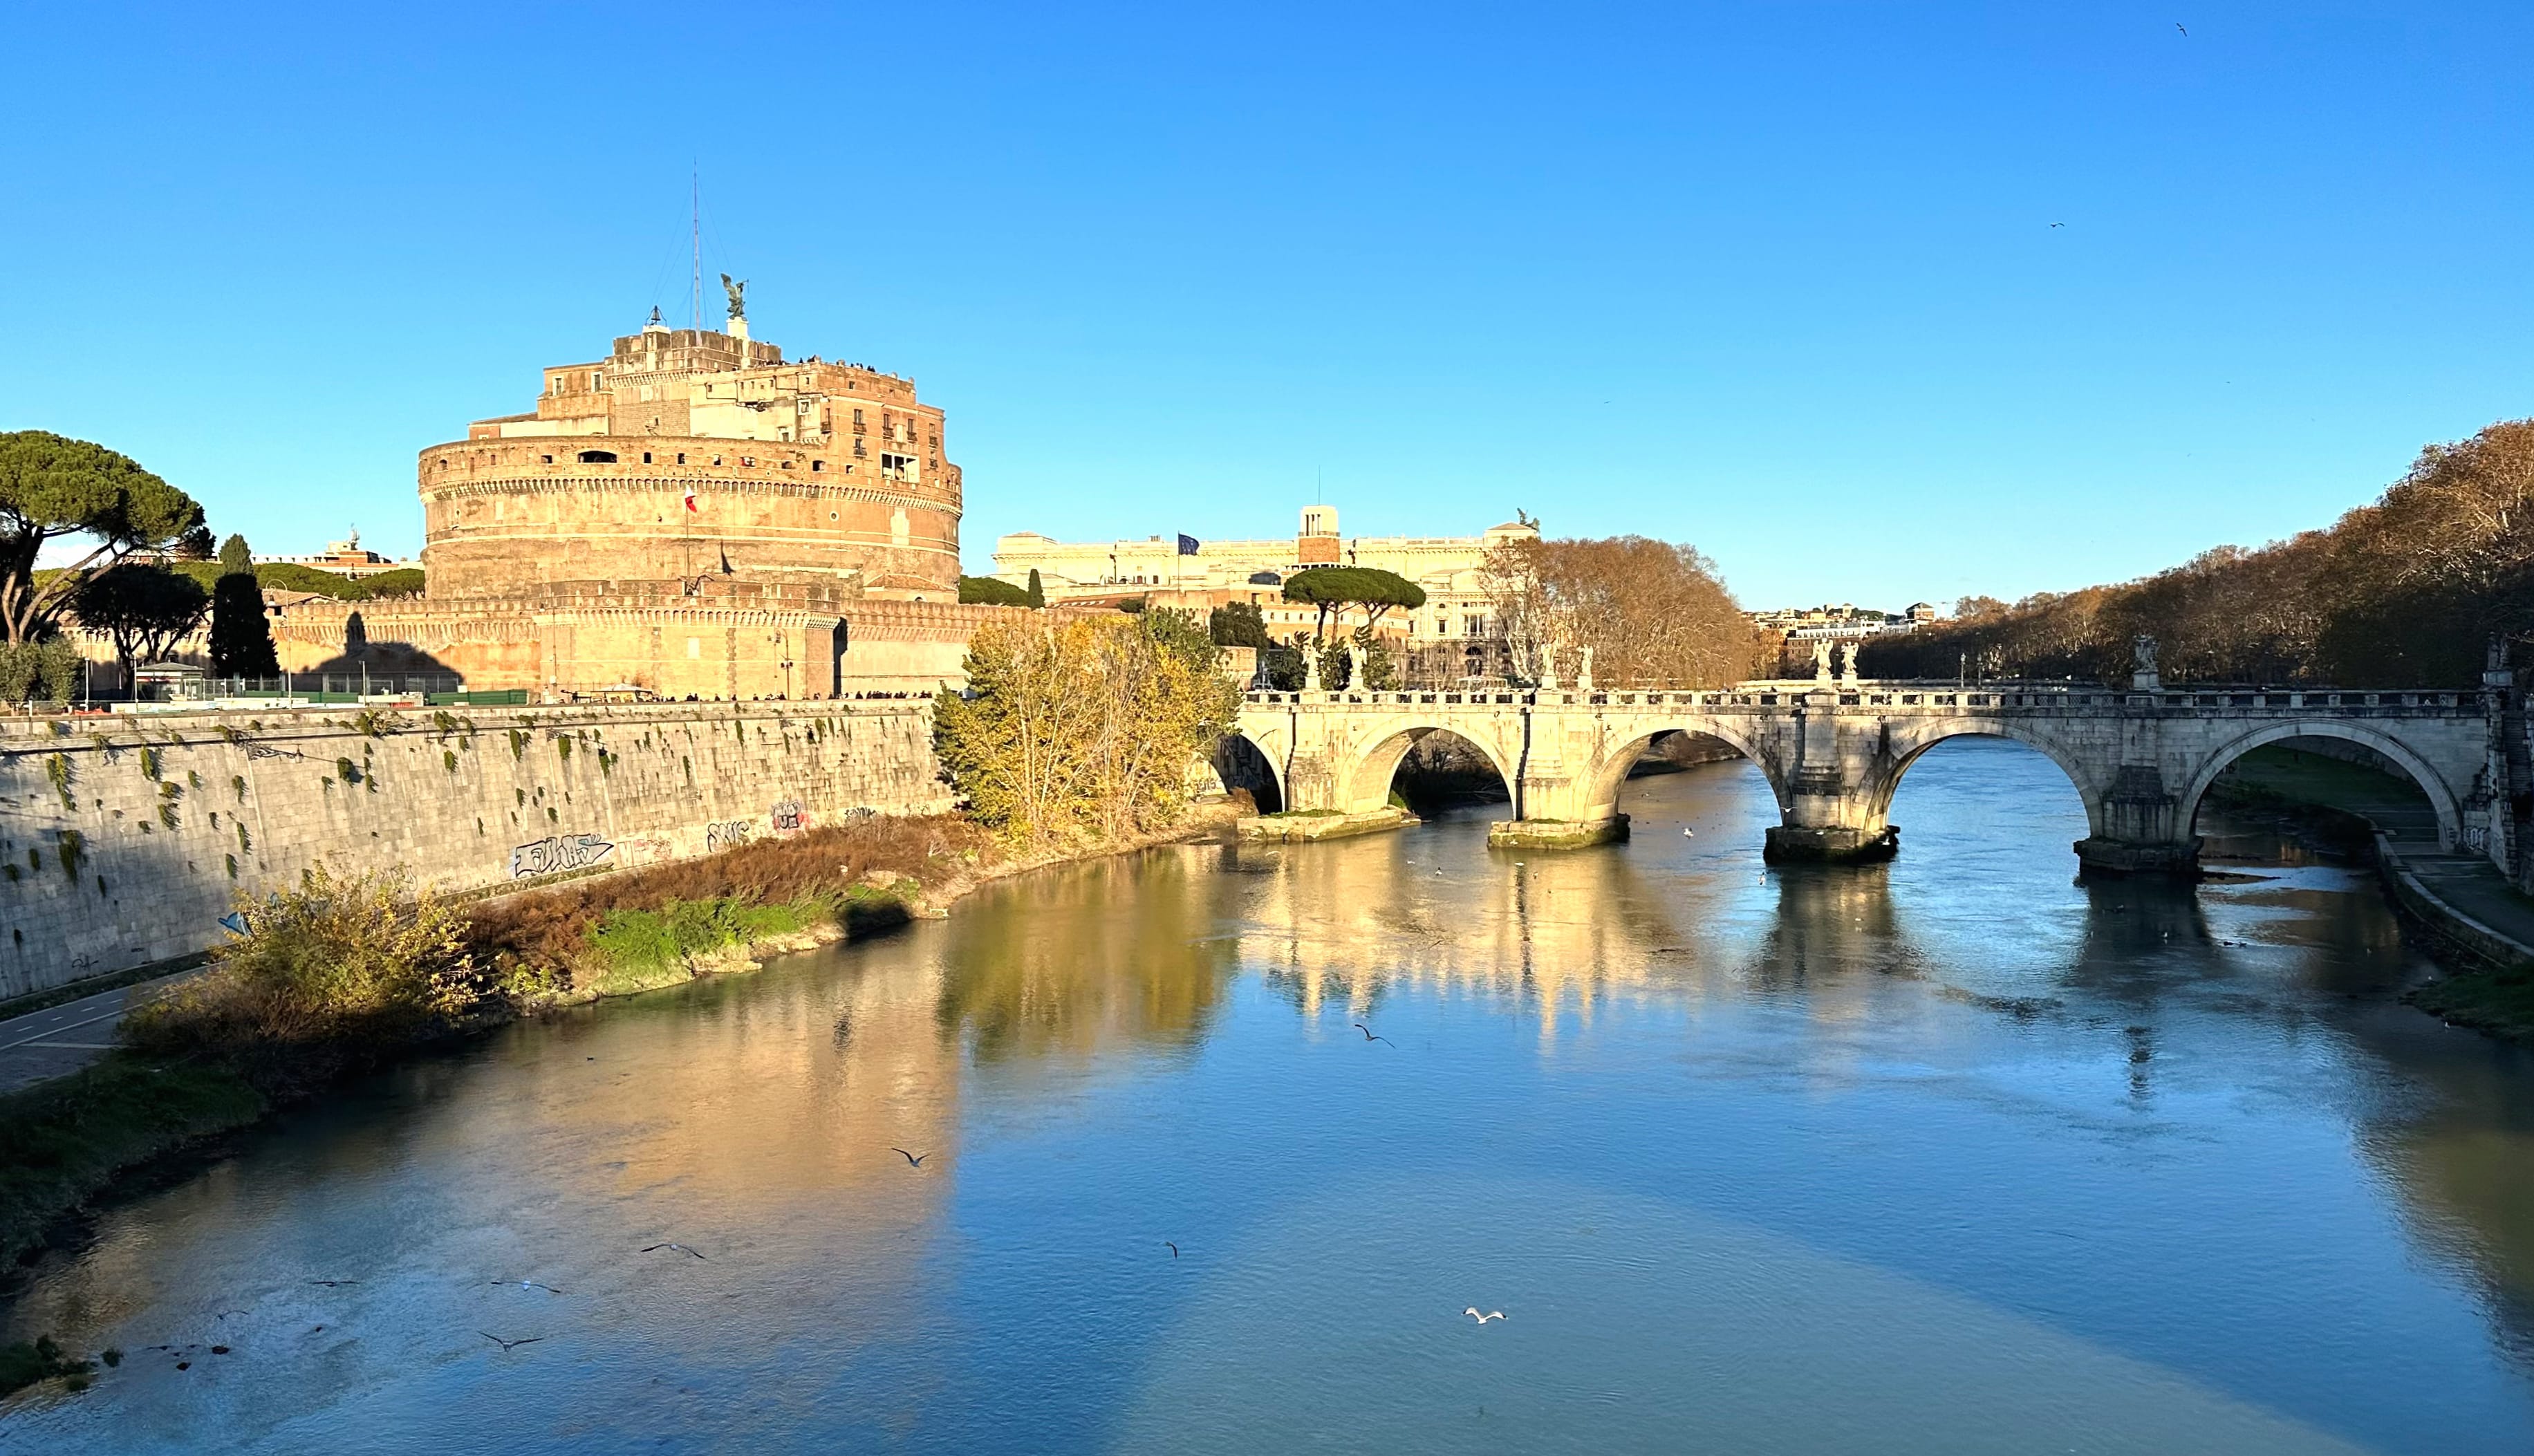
(2440, 794)
(1910, 743)
(1601, 797)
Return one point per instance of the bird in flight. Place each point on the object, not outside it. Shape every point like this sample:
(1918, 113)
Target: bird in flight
(509, 1345)
(530, 1283)
(2058, 224)
(913, 1160)
(1172, 1247)
(1370, 1037)
(334, 1283)
(680, 1248)
(1473, 1312)
(1686, 833)
(2177, 25)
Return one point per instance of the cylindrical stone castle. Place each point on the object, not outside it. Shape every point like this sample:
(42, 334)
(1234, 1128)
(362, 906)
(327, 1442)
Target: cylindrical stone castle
(687, 459)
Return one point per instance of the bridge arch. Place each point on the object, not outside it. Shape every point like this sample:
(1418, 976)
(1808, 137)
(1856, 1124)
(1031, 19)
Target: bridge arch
(1367, 786)
(2441, 795)
(1242, 761)
(1602, 794)
(1910, 743)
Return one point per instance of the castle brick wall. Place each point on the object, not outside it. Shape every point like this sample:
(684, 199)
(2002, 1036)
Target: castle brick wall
(123, 839)
(731, 650)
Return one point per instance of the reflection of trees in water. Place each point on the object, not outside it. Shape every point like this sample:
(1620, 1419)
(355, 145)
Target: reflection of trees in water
(1111, 950)
(2462, 1160)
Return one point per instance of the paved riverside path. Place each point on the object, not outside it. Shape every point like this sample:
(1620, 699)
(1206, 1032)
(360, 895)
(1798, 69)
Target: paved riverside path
(59, 1040)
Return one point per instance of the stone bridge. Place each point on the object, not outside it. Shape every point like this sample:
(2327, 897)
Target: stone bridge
(1835, 752)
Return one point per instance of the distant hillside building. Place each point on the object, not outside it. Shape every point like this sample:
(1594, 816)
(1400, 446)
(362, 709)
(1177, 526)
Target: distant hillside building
(1841, 622)
(347, 558)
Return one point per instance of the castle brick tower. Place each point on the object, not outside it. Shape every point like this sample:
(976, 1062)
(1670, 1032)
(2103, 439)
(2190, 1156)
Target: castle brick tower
(693, 463)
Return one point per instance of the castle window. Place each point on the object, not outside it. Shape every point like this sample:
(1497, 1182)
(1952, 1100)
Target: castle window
(646, 458)
(817, 465)
(859, 451)
(547, 459)
(748, 461)
(593, 378)
(599, 458)
(682, 458)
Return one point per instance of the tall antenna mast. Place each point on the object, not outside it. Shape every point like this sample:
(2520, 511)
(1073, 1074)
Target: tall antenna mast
(696, 234)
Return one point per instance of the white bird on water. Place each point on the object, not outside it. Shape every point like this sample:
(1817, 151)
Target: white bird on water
(1473, 1312)
(1686, 833)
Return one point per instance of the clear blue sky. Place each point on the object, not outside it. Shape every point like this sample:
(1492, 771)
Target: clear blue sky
(1778, 280)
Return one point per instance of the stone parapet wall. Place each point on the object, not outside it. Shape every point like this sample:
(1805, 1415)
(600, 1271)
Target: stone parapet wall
(124, 839)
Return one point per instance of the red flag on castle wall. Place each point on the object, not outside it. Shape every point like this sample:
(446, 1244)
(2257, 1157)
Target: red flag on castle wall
(691, 500)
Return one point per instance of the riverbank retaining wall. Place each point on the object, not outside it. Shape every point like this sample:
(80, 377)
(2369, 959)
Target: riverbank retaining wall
(124, 839)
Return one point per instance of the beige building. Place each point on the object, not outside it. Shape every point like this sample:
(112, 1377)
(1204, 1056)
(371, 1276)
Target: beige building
(1458, 614)
(346, 558)
(690, 515)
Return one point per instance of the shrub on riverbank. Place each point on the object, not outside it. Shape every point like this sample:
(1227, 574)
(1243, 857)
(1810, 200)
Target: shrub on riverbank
(339, 960)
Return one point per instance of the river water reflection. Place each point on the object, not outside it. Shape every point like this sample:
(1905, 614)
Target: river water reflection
(1951, 1156)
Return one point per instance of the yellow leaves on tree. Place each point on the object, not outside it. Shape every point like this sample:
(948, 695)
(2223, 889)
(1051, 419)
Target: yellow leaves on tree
(1082, 729)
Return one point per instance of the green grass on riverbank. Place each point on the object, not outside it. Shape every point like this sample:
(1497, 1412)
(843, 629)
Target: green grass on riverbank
(62, 1141)
(2497, 1002)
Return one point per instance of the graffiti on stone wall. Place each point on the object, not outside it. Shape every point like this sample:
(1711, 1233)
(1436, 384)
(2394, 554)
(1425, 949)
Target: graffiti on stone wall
(788, 816)
(727, 834)
(260, 751)
(645, 849)
(558, 852)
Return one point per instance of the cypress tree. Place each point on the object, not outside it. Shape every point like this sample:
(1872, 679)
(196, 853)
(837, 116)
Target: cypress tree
(1037, 593)
(241, 639)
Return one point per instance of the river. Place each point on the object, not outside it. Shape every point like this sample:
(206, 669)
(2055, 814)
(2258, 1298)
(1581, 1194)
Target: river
(1956, 1155)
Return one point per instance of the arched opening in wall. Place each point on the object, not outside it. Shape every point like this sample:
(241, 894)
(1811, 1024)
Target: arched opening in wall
(1977, 796)
(1242, 767)
(599, 458)
(1678, 750)
(1442, 770)
(1671, 756)
(2297, 799)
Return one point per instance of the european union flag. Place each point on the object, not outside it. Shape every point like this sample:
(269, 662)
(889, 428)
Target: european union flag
(1187, 545)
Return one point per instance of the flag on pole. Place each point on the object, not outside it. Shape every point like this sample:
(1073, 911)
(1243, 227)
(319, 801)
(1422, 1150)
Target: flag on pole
(1187, 544)
(690, 499)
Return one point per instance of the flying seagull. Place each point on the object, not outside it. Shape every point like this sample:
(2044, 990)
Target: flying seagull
(509, 1345)
(2058, 224)
(2177, 25)
(528, 1283)
(913, 1160)
(1370, 1037)
(680, 1248)
(1473, 1312)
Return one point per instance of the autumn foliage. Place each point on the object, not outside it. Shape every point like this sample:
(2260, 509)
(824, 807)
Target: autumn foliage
(1654, 613)
(1084, 729)
(2401, 593)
